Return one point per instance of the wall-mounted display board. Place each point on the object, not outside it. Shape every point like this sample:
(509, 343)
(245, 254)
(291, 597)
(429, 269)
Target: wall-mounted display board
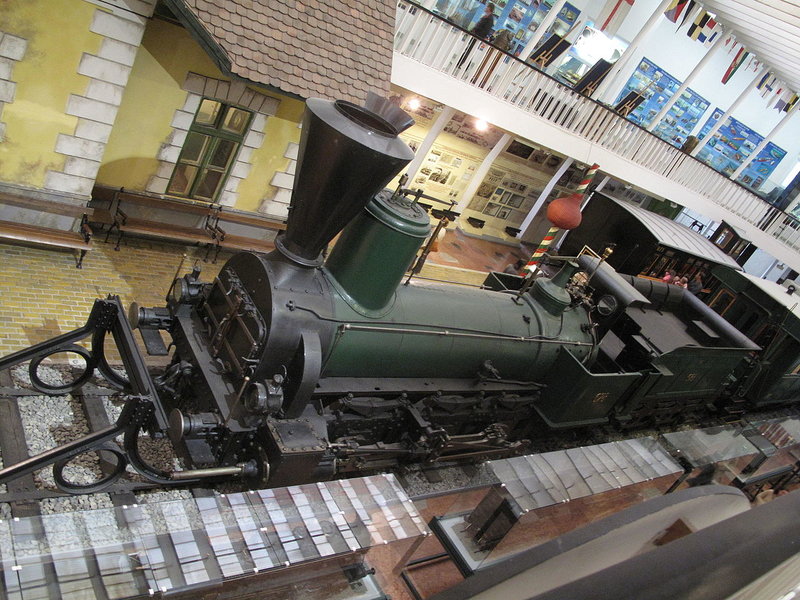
(658, 86)
(512, 186)
(465, 128)
(734, 142)
(520, 17)
(445, 172)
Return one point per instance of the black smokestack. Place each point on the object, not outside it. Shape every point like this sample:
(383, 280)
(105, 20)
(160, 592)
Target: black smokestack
(347, 154)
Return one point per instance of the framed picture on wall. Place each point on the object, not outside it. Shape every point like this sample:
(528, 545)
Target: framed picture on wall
(491, 209)
(503, 213)
(515, 201)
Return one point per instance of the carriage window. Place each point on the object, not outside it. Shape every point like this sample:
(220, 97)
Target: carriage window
(765, 335)
(722, 301)
(209, 150)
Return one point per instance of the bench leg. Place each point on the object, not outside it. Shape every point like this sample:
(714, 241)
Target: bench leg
(119, 240)
(79, 262)
(109, 230)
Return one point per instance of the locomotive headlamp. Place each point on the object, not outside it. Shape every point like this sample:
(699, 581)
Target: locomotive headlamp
(180, 290)
(185, 290)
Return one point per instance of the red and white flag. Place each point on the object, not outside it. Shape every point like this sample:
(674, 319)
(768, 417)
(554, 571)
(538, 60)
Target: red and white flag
(613, 15)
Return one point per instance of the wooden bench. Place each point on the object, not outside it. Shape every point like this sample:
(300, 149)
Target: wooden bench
(48, 236)
(208, 233)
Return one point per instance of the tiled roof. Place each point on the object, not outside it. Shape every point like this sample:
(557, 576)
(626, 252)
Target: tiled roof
(310, 48)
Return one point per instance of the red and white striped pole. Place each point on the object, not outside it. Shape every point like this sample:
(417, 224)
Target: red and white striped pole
(563, 213)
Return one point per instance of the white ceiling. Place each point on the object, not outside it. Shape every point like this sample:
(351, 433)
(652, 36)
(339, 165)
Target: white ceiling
(768, 28)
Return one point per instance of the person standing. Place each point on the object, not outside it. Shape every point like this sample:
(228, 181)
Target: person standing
(481, 30)
(696, 284)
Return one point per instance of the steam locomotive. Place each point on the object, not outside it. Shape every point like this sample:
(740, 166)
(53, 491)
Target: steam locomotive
(290, 367)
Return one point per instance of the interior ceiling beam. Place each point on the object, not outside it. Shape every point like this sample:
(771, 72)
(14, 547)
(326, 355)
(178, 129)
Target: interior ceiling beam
(754, 28)
(763, 14)
(782, 10)
(770, 29)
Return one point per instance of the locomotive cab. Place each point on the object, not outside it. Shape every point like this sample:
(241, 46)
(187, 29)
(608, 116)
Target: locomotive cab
(663, 357)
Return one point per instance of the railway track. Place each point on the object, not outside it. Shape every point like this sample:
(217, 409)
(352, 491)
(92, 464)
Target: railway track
(30, 424)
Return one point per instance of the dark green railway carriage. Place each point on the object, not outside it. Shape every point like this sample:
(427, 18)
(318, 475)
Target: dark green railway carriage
(769, 315)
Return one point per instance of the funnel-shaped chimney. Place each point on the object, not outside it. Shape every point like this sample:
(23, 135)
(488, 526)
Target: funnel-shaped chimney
(347, 154)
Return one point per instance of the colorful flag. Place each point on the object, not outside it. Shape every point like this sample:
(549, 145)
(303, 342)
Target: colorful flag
(710, 32)
(765, 78)
(767, 84)
(783, 100)
(689, 12)
(675, 8)
(696, 28)
(737, 62)
(790, 104)
(612, 16)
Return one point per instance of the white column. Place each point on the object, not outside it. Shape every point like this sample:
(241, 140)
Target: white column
(543, 196)
(727, 114)
(599, 188)
(717, 45)
(769, 268)
(426, 145)
(542, 29)
(765, 141)
(607, 91)
(481, 172)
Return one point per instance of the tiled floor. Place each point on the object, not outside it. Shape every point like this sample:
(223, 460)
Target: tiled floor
(459, 250)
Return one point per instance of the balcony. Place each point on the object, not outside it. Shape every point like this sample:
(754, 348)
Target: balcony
(519, 98)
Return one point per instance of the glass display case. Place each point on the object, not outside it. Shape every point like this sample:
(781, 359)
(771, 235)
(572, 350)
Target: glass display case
(531, 499)
(305, 542)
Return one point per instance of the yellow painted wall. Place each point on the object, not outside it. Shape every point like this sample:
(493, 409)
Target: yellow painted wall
(153, 94)
(58, 34)
(267, 160)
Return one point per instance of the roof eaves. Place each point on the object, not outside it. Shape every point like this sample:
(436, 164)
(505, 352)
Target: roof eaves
(198, 31)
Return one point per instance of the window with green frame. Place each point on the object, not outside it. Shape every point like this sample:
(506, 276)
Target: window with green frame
(209, 150)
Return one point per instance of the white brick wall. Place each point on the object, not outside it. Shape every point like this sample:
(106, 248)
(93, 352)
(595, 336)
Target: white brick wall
(96, 109)
(283, 182)
(75, 146)
(12, 47)
(232, 92)
(12, 50)
(118, 28)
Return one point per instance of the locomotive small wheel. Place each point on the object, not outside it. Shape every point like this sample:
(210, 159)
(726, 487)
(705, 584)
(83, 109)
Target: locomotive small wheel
(262, 462)
(98, 347)
(120, 462)
(76, 383)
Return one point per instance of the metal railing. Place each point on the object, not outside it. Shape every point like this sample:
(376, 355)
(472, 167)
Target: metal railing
(441, 45)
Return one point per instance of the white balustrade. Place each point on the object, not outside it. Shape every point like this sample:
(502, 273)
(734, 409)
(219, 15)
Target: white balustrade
(440, 45)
